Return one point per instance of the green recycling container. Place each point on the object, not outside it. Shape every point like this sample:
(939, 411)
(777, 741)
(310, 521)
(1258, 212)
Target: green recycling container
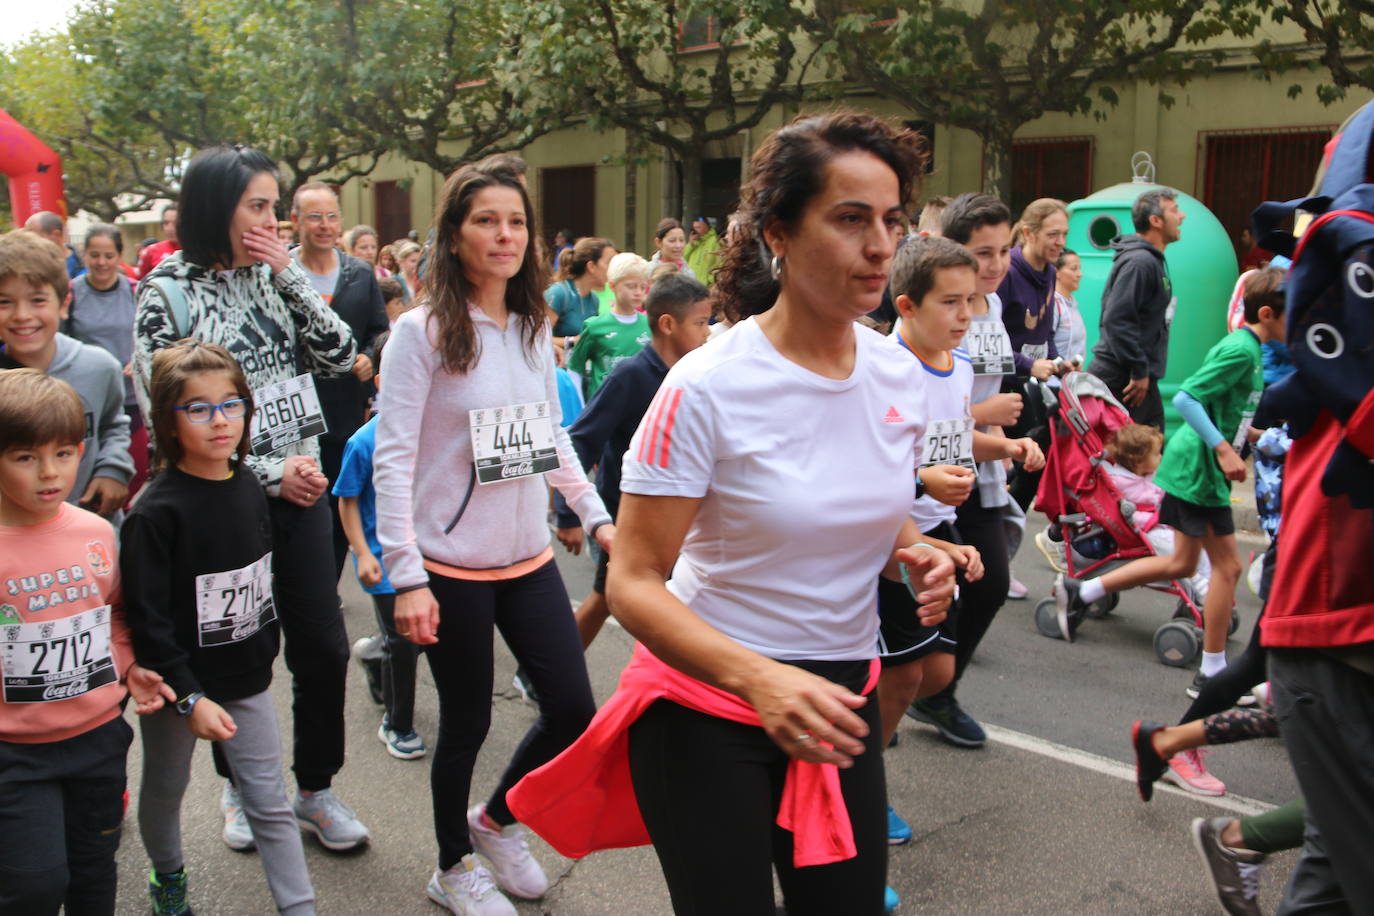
(1202, 266)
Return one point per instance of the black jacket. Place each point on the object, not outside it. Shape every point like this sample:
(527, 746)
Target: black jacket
(602, 432)
(180, 529)
(358, 301)
(1134, 332)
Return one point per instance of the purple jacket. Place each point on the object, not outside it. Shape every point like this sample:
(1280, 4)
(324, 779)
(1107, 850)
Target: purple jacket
(1028, 309)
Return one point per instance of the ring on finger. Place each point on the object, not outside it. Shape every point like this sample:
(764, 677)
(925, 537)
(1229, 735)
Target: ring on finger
(804, 737)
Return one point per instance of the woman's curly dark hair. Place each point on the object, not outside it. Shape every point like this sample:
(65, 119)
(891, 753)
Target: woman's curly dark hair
(785, 172)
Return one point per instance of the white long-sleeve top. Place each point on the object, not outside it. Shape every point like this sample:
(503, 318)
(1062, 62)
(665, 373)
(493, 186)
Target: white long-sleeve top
(423, 465)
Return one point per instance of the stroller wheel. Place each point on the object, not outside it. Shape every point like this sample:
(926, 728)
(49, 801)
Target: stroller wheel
(1047, 619)
(1177, 643)
(1235, 622)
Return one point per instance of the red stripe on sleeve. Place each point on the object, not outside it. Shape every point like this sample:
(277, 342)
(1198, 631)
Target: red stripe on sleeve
(667, 439)
(646, 441)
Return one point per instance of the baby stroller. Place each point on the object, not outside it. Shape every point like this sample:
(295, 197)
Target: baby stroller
(1091, 522)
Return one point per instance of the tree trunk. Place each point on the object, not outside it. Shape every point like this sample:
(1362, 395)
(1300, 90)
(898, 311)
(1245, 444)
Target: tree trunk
(631, 189)
(691, 187)
(997, 163)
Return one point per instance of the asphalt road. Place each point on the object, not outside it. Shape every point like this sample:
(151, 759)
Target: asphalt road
(1043, 820)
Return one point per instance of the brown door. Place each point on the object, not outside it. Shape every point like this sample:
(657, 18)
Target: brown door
(567, 200)
(392, 206)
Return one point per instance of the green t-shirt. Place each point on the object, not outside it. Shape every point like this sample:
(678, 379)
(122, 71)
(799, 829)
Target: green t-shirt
(604, 342)
(1228, 386)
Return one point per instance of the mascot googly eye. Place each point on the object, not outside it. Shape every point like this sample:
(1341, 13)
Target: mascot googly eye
(1360, 277)
(1325, 341)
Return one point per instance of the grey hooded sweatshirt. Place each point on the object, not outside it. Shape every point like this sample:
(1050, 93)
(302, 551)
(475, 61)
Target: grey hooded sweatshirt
(99, 380)
(1134, 330)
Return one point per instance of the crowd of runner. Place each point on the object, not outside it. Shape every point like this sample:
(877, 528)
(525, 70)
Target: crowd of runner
(191, 450)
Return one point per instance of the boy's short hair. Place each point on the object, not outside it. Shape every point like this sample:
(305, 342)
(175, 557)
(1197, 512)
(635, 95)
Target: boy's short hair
(673, 295)
(625, 265)
(35, 260)
(1132, 444)
(171, 368)
(932, 216)
(914, 267)
(391, 289)
(663, 269)
(970, 212)
(36, 409)
(1263, 287)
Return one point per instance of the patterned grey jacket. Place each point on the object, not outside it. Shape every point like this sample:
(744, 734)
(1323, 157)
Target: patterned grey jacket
(276, 327)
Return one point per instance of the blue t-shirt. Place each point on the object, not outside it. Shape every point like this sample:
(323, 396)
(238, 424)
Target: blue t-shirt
(572, 310)
(355, 482)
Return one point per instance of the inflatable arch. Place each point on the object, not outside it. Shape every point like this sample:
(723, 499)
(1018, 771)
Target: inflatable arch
(34, 170)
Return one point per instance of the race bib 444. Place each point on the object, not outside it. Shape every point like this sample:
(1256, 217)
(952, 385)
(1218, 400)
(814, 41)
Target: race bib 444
(512, 442)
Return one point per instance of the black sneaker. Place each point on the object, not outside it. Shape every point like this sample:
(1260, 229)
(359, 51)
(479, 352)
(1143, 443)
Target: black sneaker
(954, 725)
(1149, 766)
(368, 652)
(1199, 681)
(1070, 608)
(1234, 873)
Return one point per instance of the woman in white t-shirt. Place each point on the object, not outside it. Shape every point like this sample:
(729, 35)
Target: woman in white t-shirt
(771, 480)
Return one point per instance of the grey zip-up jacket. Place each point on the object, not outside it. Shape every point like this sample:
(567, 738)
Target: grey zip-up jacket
(276, 327)
(1134, 331)
(429, 505)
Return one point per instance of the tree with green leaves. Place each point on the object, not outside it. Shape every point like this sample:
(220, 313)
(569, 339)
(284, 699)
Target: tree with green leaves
(676, 75)
(991, 66)
(1337, 37)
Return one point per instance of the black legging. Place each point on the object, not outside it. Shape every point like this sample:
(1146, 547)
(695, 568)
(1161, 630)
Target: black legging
(535, 619)
(1245, 670)
(709, 790)
(980, 601)
(316, 641)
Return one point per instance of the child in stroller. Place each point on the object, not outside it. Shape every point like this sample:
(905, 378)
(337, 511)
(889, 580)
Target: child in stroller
(1103, 511)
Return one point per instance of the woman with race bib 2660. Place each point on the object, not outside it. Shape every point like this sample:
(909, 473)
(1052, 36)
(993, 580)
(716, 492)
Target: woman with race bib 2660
(234, 284)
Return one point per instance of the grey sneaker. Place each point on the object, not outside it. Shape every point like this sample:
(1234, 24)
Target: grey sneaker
(237, 834)
(333, 823)
(514, 868)
(467, 889)
(1234, 873)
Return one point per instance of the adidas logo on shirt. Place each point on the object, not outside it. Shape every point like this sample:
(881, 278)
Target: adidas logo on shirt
(893, 416)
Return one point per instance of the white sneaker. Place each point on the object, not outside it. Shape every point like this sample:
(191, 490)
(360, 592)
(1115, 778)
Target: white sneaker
(509, 854)
(237, 834)
(467, 889)
(333, 823)
(1053, 552)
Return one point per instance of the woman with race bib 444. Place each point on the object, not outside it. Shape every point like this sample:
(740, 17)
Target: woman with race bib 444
(469, 429)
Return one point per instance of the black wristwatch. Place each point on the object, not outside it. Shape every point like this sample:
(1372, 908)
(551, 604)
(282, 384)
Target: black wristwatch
(188, 702)
(920, 486)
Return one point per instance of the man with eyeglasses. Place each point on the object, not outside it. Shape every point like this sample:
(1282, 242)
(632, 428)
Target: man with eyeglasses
(349, 286)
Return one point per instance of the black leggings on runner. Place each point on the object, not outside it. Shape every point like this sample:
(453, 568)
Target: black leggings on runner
(535, 619)
(980, 601)
(709, 790)
(1245, 670)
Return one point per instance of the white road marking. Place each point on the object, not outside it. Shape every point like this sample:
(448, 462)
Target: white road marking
(1236, 804)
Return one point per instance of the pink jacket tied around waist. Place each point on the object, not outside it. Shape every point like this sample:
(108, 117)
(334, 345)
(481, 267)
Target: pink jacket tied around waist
(583, 799)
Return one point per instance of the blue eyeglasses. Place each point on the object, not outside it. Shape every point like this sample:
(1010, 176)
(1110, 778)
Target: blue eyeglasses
(201, 412)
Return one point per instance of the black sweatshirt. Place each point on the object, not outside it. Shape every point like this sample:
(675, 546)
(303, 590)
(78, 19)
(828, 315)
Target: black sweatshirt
(198, 630)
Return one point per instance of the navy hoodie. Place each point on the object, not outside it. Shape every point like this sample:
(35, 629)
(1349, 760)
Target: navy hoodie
(1028, 310)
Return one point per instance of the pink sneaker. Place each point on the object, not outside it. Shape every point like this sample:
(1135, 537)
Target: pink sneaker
(1188, 771)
